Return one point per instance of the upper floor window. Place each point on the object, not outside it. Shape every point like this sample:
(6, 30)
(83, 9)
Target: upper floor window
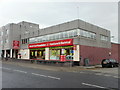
(1, 42)
(7, 31)
(63, 35)
(24, 41)
(104, 38)
(6, 40)
(1, 33)
(87, 34)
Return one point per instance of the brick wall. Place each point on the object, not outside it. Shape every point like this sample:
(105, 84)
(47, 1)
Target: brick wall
(95, 54)
(115, 51)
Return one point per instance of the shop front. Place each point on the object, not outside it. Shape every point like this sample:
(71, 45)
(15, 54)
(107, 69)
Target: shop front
(60, 50)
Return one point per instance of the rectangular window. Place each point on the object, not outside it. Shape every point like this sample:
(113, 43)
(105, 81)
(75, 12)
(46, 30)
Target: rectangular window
(26, 41)
(1, 42)
(7, 31)
(63, 35)
(71, 34)
(43, 39)
(104, 38)
(6, 40)
(87, 34)
(54, 54)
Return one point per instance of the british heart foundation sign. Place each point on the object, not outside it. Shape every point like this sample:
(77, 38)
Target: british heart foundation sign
(16, 44)
(65, 42)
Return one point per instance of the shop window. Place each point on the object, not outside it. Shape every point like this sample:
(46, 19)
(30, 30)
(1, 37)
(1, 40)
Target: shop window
(54, 54)
(68, 52)
(37, 54)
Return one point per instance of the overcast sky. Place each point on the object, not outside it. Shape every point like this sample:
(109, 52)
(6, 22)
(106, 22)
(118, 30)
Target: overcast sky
(103, 14)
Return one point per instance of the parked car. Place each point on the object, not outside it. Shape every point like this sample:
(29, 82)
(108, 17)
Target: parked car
(109, 63)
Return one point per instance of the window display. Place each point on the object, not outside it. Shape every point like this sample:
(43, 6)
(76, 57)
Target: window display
(55, 54)
(37, 54)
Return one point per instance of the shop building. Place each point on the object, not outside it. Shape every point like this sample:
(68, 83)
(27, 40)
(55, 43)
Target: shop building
(10, 37)
(75, 41)
(82, 40)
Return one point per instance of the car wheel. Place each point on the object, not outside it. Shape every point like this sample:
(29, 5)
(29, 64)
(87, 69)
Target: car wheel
(103, 66)
(112, 66)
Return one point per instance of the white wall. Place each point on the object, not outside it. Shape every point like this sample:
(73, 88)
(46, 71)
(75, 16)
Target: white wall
(25, 53)
(47, 53)
(76, 56)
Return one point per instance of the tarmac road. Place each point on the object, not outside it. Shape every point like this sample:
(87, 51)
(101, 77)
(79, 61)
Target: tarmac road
(14, 76)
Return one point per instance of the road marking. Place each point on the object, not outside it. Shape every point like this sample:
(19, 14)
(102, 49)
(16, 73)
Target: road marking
(6, 68)
(19, 71)
(93, 85)
(107, 75)
(98, 74)
(54, 77)
(46, 76)
(39, 75)
(82, 72)
(115, 76)
(74, 71)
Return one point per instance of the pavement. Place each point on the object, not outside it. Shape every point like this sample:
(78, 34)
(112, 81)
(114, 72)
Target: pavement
(53, 67)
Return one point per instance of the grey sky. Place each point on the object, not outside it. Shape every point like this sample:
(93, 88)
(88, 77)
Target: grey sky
(103, 14)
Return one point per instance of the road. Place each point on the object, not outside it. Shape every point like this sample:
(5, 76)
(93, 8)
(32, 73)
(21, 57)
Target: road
(14, 76)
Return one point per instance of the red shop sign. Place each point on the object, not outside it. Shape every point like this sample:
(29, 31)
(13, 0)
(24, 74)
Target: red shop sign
(16, 44)
(65, 42)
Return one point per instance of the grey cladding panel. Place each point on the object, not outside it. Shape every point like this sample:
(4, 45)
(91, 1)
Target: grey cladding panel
(64, 27)
(88, 27)
(56, 28)
(36, 33)
(73, 24)
(82, 24)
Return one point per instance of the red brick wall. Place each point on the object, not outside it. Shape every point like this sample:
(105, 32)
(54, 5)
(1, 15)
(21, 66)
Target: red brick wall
(115, 51)
(95, 54)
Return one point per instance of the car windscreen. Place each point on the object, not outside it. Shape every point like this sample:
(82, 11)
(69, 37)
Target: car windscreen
(112, 60)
